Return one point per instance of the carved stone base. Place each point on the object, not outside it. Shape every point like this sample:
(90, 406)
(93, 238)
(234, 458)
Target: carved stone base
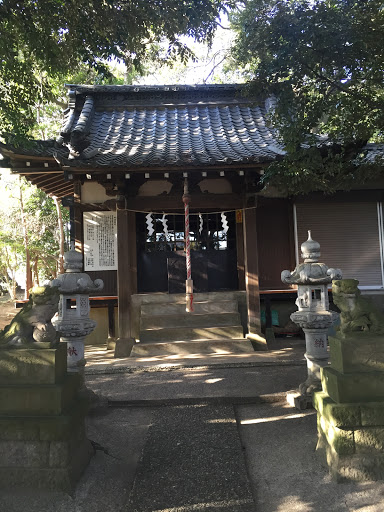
(44, 453)
(123, 347)
(351, 438)
(42, 429)
(258, 341)
(111, 343)
(299, 401)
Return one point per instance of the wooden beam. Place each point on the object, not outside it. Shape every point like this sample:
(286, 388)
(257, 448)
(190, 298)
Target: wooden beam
(26, 171)
(252, 279)
(15, 156)
(43, 179)
(64, 189)
(168, 204)
(98, 169)
(124, 342)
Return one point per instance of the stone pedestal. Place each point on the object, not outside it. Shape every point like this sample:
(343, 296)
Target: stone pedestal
(351, 408)
(42, 431)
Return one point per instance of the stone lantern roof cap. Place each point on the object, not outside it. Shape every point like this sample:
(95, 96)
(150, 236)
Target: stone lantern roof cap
(74, 280)
(311, 271)
(73, 260)
(310, 250)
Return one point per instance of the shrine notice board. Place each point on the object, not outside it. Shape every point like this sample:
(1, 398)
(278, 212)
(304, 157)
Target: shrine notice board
(100, 241)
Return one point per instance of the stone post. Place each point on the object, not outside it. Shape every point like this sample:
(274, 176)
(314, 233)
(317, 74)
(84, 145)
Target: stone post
(350, 409)
(43, 443)
(313, 315)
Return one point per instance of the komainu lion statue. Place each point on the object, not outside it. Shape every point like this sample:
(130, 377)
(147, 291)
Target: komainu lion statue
(356, 312)
(32, 325)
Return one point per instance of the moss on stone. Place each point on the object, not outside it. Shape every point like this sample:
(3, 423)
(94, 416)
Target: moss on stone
(340, 440)
(40, 308)
(357, 352)
(339, 415)
(357, 313)
(372, 414)
(369, 440)
(353, 387)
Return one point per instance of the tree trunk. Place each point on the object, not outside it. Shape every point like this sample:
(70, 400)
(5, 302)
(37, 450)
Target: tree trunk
(36, 272)
(10, 279)
(28, 270)
(61, 235)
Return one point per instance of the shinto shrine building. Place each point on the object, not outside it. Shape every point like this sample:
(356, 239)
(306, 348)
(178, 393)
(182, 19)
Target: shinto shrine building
(121, 164)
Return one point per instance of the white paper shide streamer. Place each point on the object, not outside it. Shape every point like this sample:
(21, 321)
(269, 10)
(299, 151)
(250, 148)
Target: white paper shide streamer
(224, 222)
(149, 223)
(201, 222)
(164, 222)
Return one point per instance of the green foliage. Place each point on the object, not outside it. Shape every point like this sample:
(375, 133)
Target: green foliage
(323, 60)
(211, 63)
(43, 234)
(41, 230)
(48, 111)
(43, 40)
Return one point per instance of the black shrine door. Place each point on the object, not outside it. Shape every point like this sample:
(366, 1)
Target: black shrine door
(161, 257)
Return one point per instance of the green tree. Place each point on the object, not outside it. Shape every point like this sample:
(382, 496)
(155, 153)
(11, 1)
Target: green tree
(11, 254)
(30, 234)
(41, 40)
(324, 62)
(48, 111)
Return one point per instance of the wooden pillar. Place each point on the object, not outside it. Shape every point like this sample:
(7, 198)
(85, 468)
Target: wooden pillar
(132, 251)
(240, 249)
(77, 217)
(252, 279)
(124, 342)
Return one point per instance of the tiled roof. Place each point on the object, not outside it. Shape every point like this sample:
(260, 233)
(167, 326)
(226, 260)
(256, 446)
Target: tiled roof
(40, 148)
(164, 126)
(372, 154)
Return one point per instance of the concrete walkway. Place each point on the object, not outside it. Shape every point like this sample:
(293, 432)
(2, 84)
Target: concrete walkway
(214, 437)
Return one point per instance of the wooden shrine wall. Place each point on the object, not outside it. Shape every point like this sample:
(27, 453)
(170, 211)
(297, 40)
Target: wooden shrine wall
(275, 240)
(110, 282)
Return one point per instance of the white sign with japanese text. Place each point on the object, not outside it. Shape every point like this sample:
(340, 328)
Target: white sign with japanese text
(100, 240)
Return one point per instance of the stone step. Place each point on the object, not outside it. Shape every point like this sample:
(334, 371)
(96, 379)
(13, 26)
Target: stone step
(188, 348)
(177, 308)
(189, 320)
(190, 333)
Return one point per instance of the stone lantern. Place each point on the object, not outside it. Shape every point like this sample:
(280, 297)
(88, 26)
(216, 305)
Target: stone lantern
(72, 320)
(313, 315)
